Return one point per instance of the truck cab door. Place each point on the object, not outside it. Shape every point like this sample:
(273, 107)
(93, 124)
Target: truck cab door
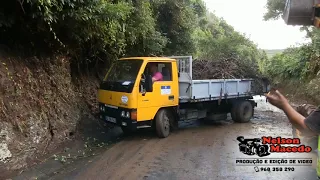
(164, 93)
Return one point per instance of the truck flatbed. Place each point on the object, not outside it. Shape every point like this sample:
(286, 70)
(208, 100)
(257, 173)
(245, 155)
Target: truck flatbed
(213, 89)
(191, 90)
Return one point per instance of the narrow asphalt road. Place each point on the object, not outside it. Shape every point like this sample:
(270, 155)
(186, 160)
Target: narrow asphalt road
(197, 151)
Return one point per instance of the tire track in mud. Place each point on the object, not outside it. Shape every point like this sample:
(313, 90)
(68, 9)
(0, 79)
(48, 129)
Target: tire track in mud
(128, 159)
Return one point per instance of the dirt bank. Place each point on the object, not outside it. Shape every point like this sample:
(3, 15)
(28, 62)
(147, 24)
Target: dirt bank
(300, 92)
(40, 107)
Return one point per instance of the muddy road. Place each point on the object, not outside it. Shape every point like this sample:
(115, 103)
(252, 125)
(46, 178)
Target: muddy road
(197, 151)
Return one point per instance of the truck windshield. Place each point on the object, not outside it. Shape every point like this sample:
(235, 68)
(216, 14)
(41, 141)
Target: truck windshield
(122, 76)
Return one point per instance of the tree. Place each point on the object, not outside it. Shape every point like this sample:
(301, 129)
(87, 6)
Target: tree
(275, 9)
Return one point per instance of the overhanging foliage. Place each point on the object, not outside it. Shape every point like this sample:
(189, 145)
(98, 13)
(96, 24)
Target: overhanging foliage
(96, 31)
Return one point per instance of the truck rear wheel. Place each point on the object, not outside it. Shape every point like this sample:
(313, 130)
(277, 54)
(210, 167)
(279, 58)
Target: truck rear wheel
(163, 123)
(242, 111)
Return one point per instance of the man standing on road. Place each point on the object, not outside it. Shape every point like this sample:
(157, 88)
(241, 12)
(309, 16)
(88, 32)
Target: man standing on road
(309, 126)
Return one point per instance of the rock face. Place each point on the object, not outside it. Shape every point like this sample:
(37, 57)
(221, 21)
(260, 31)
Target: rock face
(40, 107)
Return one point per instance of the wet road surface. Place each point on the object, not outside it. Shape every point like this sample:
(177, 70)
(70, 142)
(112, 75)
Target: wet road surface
(197, 151)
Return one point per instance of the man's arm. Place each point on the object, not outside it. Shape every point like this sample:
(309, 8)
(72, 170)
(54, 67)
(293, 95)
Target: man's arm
(157, 77)
(308, 126)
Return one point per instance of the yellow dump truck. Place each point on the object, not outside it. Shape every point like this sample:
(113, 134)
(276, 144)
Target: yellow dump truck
(128, 96)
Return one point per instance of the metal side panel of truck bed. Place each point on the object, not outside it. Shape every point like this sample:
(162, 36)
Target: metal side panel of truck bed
(214, 89)
(211, 89)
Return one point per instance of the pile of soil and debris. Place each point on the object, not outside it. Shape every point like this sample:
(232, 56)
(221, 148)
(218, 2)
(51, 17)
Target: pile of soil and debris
(228, 68)
(41, 106)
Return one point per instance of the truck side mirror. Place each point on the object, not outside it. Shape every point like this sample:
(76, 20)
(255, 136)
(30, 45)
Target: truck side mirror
(149, 84)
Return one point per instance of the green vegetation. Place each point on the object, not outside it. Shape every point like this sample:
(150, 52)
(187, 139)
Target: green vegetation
(298, 66)
(97, 32)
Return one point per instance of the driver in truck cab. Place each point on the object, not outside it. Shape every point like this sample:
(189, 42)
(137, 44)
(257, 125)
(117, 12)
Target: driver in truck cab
(156, 75)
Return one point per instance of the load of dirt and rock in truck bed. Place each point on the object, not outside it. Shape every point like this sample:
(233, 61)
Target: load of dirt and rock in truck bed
(229, 68)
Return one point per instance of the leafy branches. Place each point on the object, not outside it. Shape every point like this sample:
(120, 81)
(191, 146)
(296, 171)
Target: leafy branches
(291, 64)
(275, 9)
(97, 31)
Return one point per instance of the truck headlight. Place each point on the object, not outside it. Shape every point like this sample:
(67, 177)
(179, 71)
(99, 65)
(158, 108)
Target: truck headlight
(123, 114)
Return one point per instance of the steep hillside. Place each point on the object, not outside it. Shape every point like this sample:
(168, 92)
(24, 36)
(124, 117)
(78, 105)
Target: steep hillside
(41, 106)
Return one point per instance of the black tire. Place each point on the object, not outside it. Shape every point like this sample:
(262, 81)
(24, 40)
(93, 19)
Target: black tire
(242, 111)
(162, 121)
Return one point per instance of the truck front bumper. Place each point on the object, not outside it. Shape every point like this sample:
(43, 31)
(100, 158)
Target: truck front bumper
(117, 116)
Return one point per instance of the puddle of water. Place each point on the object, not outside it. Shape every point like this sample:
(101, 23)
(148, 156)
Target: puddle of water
(263, 105)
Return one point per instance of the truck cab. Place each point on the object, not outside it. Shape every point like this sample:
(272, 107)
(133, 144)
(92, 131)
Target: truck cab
(128, 96)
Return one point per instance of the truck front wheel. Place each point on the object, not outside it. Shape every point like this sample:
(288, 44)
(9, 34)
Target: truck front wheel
(242, 111)
(163, 123)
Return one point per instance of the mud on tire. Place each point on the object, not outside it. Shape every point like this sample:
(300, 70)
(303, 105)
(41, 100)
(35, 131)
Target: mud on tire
(242, 111)
(162, 120)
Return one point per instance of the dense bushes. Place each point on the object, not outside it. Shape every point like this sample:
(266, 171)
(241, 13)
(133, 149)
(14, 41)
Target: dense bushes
(290, 64)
